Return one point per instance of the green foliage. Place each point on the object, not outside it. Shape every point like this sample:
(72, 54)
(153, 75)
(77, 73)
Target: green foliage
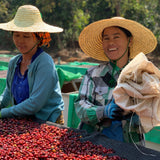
(74, 15)
(3, 10)
(99, 9)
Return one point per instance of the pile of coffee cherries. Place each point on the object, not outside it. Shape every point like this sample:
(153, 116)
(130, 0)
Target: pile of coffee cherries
(25, 139)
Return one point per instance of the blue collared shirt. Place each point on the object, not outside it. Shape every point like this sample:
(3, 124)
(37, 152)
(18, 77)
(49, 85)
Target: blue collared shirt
(20, 87)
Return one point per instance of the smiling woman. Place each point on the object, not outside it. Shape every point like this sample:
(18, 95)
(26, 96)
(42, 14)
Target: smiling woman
(116, 40)
(116, 45)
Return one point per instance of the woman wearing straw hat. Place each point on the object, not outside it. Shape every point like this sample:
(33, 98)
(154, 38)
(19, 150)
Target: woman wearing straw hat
(115, 40)
(32, 86)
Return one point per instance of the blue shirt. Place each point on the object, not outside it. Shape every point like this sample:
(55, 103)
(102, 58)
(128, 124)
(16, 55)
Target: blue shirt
(20, 87)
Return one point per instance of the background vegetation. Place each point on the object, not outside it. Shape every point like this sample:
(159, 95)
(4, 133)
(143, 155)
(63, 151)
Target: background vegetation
(74, 15)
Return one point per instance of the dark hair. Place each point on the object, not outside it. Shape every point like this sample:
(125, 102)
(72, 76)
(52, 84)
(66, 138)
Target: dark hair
(43, 37)
(127, 32)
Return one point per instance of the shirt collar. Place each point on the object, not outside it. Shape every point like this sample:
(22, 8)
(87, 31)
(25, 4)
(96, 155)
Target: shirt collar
(113, 65)
(38, 52)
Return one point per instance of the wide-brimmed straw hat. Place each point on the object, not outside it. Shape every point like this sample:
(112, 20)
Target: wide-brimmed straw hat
(28, 19)
(90, 39)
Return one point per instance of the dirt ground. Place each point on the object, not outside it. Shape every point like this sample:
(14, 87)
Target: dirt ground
(70, 55)
(61, 57)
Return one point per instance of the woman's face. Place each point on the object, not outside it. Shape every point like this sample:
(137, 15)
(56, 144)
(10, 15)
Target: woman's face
(24, 41)
(115, 43)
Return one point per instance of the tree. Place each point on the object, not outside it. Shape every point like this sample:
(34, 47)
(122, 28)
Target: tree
(74, 15)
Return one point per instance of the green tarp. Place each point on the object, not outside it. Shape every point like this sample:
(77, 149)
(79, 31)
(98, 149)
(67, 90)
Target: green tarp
(73, 120)
(3, 65)
(76, 67)
(2, 85)
(6, 55)
(66, 76)
(82, 63)
(153, 135)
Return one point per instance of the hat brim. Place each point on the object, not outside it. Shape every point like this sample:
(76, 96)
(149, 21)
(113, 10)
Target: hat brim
(38, 27)
(90, 39)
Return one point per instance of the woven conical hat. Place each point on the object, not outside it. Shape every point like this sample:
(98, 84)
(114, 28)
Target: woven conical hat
(90, 39)
(28, 19)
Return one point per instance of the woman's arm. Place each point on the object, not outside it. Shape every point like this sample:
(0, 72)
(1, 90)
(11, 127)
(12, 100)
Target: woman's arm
(45, 81)
(84, 105)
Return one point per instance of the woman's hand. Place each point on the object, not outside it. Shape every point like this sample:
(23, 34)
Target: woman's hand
(113, 111)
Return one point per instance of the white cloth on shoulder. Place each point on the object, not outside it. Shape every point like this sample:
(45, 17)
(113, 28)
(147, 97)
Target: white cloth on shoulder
(138, 90)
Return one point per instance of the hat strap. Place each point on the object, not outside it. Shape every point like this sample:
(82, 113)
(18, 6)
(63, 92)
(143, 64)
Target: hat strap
(33, 46)
(115, 61)
(115, 64)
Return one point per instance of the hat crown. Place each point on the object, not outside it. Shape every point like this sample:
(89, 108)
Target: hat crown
(117, 17)
(27, 15)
